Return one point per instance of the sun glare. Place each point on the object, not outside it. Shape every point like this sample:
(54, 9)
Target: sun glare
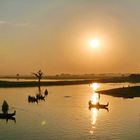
(95, 98)
(94, 86)
(94, 116)
(95, 43)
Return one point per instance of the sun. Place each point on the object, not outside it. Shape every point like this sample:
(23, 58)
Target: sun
(95, 43)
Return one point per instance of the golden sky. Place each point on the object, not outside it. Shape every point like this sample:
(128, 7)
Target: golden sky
(54, 35)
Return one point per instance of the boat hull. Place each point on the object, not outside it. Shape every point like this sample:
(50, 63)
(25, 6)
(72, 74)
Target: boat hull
(8, 115)
(98, 105)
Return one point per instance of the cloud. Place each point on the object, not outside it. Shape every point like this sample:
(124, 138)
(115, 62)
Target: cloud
(16, 24)
(22, 24)
(2, 22)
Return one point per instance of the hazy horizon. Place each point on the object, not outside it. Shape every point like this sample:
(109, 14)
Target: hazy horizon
(54, 35)
(62, 73)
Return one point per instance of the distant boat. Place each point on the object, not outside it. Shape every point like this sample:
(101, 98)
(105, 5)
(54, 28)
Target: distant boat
(98, 105)
(40, 97)
(32, 99)
(7, 115)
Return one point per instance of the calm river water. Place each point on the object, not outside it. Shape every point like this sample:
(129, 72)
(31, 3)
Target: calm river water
(64, 115)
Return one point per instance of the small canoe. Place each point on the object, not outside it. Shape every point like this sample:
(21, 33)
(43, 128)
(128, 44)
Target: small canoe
(7, 115)
(40, 97)
(32, 99)
(98, 105)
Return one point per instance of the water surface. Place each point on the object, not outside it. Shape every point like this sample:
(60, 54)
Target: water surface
(65, 115)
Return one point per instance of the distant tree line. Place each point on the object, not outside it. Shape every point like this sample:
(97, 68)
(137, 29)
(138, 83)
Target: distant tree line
(134, 77)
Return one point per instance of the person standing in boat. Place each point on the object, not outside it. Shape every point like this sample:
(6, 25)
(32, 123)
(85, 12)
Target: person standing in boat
(99, 96)
(98, 99)
(5, 107)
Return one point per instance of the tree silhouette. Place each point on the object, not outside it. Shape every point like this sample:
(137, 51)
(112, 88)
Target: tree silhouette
(39, 75)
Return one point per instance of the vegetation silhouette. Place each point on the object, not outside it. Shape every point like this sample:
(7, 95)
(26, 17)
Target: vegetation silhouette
(76, 80)
(39, 76)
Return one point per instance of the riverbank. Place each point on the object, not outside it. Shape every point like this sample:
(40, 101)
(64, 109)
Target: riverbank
(124, 92)
(4, 83)
(10, 84)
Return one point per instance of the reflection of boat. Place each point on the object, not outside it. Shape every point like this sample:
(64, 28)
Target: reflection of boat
(98, 105)
(7, 115)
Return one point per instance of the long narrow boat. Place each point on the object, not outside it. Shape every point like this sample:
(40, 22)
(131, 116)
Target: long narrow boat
(98, 105)
(7, 115)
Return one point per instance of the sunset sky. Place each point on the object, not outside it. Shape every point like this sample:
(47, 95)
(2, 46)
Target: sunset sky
(55, 35)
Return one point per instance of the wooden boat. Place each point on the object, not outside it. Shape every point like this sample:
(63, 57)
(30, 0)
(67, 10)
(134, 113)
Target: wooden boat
(98, 105)
(7, 115)
(9, 118)
(40, 97)
(32, 99)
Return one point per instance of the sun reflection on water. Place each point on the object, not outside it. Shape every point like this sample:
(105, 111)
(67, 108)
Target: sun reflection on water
(43, 123)
(94, 114)
(95, 98)
(94, 86)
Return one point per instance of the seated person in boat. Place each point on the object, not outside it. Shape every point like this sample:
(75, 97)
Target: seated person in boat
(46, 92)
(90, 103)
(5, 107)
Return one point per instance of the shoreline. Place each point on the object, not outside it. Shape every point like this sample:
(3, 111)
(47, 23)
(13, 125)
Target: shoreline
(14, 84)
(124, 92)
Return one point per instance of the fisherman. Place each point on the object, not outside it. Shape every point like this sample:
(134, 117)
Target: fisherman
(46, 92)
(5, 107)
(98, 100)
(99, 96)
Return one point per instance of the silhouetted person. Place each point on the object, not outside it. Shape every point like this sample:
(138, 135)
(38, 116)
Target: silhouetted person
(5, 107)
(99, 96)
(46, 92)
(90, 103)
